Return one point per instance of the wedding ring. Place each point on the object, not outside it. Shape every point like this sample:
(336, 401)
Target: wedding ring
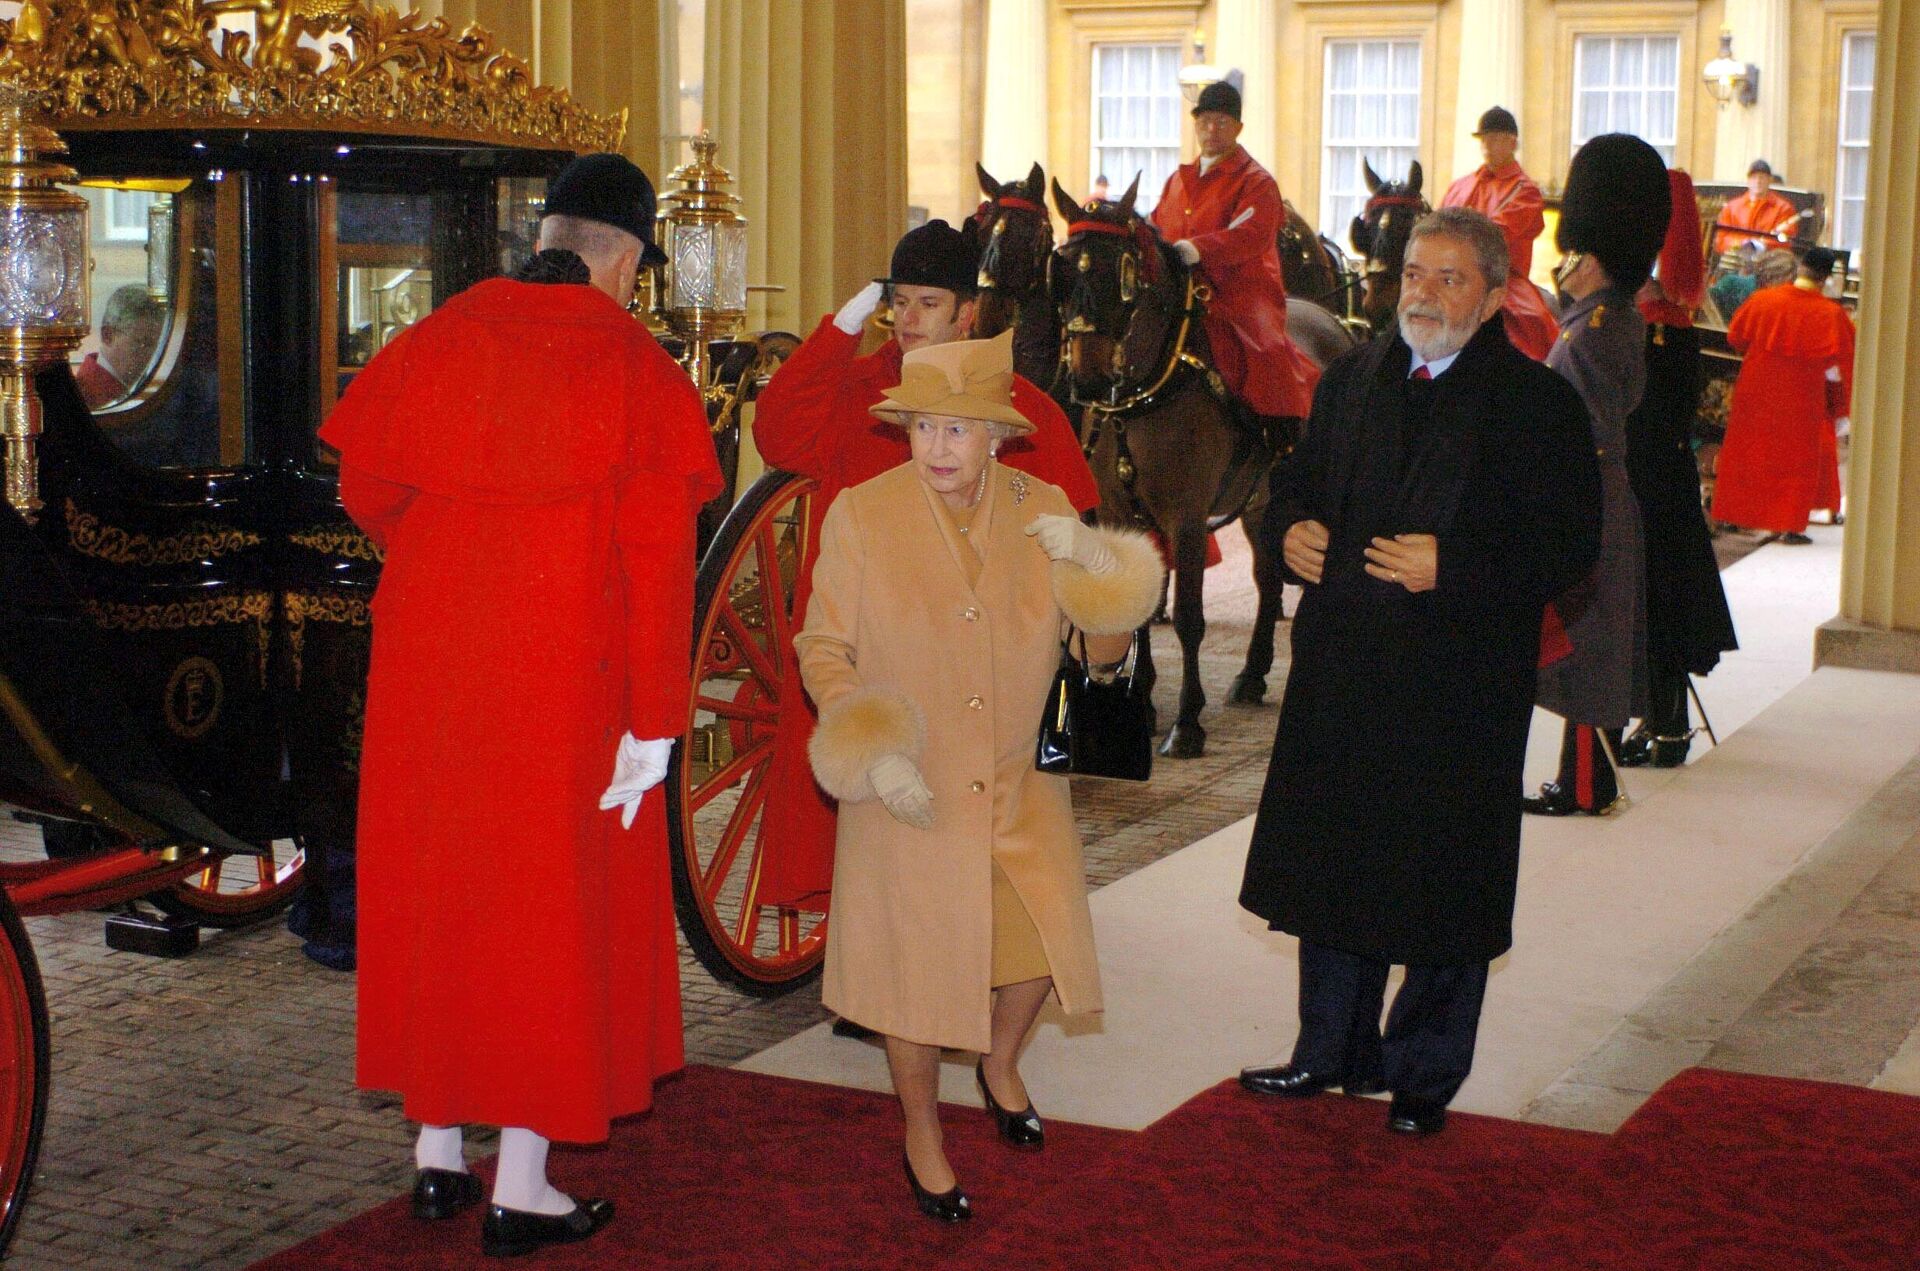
(1396, 575)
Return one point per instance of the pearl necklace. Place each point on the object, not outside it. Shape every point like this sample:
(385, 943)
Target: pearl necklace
(979, 493)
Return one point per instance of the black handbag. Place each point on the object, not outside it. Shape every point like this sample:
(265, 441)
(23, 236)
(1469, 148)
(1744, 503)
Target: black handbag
(1092, 729)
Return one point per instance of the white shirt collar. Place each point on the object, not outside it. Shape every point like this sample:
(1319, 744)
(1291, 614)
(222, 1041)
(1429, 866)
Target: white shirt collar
(1435, 368)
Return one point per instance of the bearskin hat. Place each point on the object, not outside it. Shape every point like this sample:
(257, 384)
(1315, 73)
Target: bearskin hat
(1616, 207)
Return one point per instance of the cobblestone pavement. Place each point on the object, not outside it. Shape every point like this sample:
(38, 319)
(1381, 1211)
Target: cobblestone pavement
(203, 1112)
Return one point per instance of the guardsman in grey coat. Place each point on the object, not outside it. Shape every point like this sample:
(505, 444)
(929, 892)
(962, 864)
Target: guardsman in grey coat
(1613, 220)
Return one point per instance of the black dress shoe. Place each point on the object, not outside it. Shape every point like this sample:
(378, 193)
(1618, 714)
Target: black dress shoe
(442, 1193)
(1287, 1081)
(847, 1028)
(1650, 750)
(1795, 540)
(1555, 799)
(951, 1205)
(1410, 1114)
(1358, 1085)
(1021, 1129)
(508, 1233)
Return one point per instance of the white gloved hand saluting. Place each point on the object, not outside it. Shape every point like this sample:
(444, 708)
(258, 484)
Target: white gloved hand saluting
(899, 785)
(638, 766)
(1064, 538)
(1187, 252)
(853, 315)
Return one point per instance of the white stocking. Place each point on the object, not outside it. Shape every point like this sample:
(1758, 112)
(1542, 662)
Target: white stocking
(521, 1182)
(438, 1147)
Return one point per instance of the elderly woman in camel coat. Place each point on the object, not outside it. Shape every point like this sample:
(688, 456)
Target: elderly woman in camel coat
(943, 589)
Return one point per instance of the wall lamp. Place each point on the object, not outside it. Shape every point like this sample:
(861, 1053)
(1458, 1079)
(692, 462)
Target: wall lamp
(1729, 80)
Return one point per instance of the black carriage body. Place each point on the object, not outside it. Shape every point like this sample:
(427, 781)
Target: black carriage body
(221, 590)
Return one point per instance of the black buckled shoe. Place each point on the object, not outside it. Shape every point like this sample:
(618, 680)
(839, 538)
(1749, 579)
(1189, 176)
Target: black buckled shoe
(1020, 1129)
(1555, 799)
(508, 1233)
(1410, 1114)
(1650, 750)
(443, 1193)
(951, 1205)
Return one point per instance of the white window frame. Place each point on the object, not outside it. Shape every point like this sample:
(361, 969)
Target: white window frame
(1151, 179)
(1849, 227)
(124, 215)
(1584, 46)
(1387, 153)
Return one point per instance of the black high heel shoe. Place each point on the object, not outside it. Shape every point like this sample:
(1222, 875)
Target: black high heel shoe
(951, 1205)
(1020, 1129)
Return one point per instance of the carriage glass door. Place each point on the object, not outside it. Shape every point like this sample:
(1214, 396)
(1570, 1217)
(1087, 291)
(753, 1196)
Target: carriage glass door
(377, 247)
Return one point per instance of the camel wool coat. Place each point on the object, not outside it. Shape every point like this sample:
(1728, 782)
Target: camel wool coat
(902, 656)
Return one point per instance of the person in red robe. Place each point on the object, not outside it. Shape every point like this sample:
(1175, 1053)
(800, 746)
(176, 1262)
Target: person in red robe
(1781, 459)
(1501, 190)
(531, 463)
(813, 419)
(1758, 219)
(1223, 214)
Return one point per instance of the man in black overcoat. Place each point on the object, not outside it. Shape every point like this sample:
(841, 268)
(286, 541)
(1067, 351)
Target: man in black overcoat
(1446, 488)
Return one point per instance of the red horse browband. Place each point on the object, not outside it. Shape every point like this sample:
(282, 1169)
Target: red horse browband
(1098, 227)
(1025, 205)
(1395, 200)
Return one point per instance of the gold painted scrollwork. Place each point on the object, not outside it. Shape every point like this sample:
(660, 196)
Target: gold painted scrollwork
(305, 606)
(335, 65)
(255, 607)
(339, 542)
(90, 537)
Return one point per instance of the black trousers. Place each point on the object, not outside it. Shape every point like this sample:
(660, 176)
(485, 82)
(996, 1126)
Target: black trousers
(1584, 770)
(1427, 1049)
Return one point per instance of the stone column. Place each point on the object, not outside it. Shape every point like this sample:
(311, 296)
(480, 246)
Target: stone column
(1247, 35)
(808, 103)
(1493, 35)
(1879, 622)
(1013, 129)
(552, 51)
(1762, 34)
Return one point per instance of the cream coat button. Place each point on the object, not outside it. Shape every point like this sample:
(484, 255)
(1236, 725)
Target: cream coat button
(979, 787)
(970, 614)
(974, 703)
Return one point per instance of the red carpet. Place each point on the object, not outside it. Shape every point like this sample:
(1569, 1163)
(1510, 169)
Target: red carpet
(1718, 1172)
(1721, 1171)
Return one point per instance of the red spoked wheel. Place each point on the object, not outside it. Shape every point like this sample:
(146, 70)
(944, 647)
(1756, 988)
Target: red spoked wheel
(234, 891)
(24, 1058)
(717, 782)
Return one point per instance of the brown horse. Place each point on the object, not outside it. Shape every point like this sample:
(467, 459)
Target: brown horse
(1016, 237)
(1380, 233)
(1171, 449)
(1315, 270)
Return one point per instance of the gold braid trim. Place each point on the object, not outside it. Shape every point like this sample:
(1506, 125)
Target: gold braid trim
(181, 615)
(319, 607)
(104, 542)
(339, 542)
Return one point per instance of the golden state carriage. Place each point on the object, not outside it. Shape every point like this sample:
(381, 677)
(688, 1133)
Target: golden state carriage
(213, 213)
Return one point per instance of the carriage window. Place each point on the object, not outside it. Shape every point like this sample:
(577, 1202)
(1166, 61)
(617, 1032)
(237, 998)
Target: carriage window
(518, 218)
(151, 369)
(1627, 83)
(1136, 117)
(377, 247)
(1370, 114)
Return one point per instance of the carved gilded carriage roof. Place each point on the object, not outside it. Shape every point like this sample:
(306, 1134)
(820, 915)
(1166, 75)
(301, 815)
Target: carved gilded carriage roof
(319, 65)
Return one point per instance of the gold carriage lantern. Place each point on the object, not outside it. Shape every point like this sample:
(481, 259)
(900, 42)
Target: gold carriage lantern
(44, 294)
(705, 240)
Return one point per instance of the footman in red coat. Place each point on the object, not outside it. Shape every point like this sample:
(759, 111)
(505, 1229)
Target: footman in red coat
(531, 462)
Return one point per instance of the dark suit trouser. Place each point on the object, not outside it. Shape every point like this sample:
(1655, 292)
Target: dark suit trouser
(1427, 1049)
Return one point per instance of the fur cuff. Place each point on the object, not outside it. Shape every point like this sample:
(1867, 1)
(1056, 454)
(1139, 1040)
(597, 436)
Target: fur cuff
(1113, 603)
(855, 731)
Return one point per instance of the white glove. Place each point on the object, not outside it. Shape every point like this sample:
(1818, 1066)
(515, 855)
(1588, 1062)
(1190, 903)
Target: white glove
(1187, 252)
(898, 783)
(638, 766)
(853, 315)
(1064, 538)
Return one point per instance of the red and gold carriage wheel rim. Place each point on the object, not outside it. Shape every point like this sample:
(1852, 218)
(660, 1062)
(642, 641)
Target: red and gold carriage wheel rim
(238, 889)
(744, 672)
(24, 1052)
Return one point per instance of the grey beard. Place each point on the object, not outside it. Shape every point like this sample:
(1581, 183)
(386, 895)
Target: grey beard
(1450, 340)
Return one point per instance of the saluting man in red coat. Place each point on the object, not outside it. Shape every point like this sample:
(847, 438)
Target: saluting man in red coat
(1769, 219)
(813, 419)
(1223, 214)
(1501, 190)
(531, 462)
(1781, 459)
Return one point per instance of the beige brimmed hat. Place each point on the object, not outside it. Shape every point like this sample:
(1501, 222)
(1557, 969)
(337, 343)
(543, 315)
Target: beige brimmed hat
(966, 379)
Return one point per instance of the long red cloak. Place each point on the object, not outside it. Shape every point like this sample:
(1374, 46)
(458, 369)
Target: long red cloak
(1511, 200)
(812, 419)
(531, 461)
(1780, 460)
(1247, 317)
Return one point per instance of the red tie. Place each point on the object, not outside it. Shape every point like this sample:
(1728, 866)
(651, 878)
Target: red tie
(1423, 373)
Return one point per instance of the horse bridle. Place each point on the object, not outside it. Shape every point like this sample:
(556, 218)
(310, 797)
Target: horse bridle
(1043, 242)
